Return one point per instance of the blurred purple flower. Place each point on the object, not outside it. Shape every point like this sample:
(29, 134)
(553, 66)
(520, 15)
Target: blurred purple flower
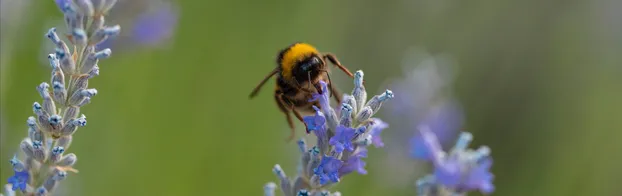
(426, 97)
(375, 131)
(460, 169)
(480, 178)
(444, 120)
(150, 27)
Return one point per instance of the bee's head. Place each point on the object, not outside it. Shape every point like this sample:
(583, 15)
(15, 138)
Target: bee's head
(311, 63)
(300, 62)
(308, 68)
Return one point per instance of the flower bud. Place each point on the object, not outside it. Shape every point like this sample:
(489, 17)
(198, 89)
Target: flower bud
(64, 141)
(56, 153)
(27, 148)
(67, 160)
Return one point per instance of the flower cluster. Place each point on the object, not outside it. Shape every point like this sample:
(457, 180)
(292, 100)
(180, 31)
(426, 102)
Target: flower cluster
(457, 172)
(58, 117)
(426, 97)
(342, 140)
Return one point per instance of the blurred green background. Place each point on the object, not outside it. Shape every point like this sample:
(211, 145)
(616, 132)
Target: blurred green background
(540, 83)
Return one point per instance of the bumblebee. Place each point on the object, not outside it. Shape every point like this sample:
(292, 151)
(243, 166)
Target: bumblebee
(300, 68)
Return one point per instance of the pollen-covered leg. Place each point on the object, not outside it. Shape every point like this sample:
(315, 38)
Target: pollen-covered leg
(301, 120)
(298, 115)
(333, 59)
(281, 103)
(283, 107)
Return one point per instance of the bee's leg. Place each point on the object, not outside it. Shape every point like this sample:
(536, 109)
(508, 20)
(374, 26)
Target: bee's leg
(333, 59)
(297, 114)
(281, 99)
(319, 88)
(301, 89)
(336, 93)
(292, 107)
(281, 103)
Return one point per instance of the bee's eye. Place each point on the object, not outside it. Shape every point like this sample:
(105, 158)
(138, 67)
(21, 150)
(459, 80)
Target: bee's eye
(310, 63)
(306, 66)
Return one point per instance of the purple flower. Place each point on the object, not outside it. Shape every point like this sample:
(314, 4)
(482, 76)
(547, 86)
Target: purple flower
(19, 180)
(326, 162)
(451, 174)
(444, 121)
(153, 27)
(316, 122)
(342, 139)
(448, 173)
(425, 99)
(462, 169)
(431, 146)
(328, 170)
(375, 131)
(355, 163)
(481, 178)
(323, 97)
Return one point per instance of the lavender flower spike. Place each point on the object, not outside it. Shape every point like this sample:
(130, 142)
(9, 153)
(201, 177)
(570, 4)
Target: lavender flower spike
(342, 142)
(44, 163)
(459, 171)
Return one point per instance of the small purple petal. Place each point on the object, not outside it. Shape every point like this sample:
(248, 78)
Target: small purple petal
(481, 178)
(316, 122)
(355, 163)
(448, 173)
(19, 180)
(342, 139)
(418, 150)
(323, 98)
(375, 131)
(328, 169)
(431, 147)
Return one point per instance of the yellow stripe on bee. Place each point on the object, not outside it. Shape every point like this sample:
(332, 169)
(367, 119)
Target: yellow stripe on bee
(295, 53)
